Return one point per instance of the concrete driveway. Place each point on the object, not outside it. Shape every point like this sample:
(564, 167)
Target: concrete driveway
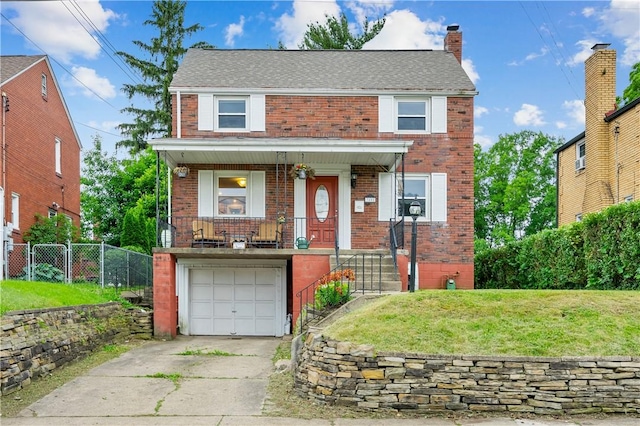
(160, 384)
(158, 381)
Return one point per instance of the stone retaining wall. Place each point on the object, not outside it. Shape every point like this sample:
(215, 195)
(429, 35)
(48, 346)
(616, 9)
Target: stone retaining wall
(35, 342)
(341, 373)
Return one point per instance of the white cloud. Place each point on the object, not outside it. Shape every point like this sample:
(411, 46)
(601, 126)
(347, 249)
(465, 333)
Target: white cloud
(369, 9)
(479, 111)
(107, 126)
(404, 30)
(233, 31)
(588, 12)
(561, 125)
(575, 112)
(52, 26)
(528, 115)
(292, 27)
(621, 20)
(91, 80)
(583, 53)
(470, 69)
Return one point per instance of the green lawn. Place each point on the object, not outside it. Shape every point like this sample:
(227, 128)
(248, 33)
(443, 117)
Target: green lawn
(491, 322)
(17, 295)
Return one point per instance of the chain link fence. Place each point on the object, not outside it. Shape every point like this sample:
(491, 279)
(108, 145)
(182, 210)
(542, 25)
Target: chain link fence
(102, 264)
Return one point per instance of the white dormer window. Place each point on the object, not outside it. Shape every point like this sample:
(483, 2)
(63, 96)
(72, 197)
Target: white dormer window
(581, 154)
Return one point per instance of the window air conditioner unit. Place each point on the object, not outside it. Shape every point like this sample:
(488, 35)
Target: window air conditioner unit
(580, 163)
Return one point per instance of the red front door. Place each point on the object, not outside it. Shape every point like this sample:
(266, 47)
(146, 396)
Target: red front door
(322, 211)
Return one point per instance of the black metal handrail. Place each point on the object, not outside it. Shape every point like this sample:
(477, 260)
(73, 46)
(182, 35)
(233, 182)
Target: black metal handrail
(371, 281)
(396, 239)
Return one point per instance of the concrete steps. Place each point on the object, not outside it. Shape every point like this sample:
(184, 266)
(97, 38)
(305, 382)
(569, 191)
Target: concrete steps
(374, 270)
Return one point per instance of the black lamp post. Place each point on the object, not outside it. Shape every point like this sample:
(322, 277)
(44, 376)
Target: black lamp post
(414, 210)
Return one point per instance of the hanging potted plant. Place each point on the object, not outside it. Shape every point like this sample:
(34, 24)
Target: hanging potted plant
(181, 171)
(302, 171)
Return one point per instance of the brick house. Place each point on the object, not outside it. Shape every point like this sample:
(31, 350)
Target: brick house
(600, 166)
(40, 146)
(247, 234)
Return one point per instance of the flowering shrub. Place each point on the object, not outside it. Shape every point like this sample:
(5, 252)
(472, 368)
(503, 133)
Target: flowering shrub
(333, 290)
(297, 168)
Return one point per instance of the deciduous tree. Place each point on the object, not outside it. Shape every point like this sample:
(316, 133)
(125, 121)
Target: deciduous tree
(632, 92)
(111, 187)
(515, 192)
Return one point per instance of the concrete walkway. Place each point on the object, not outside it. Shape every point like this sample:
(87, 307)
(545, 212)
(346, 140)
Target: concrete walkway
(139, 388)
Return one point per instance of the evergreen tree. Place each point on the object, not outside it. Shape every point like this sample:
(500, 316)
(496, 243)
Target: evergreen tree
(335, 34)
(164, 52)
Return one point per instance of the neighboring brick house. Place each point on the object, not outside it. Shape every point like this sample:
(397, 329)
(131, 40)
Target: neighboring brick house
(40, 146)
(369, 123)
(600, 166)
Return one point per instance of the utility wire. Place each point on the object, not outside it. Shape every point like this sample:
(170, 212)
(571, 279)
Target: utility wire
(58, 63)
(550, 50)
(103, 38)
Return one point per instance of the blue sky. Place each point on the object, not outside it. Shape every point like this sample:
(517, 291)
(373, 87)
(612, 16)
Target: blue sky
(526, 58)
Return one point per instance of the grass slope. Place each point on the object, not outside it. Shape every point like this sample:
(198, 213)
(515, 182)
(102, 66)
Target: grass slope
(18, 295)
(492, 322)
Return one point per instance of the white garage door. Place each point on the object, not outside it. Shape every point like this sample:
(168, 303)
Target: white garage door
(233, 301)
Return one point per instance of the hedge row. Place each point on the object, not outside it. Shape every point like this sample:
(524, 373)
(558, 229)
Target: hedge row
(601, 252)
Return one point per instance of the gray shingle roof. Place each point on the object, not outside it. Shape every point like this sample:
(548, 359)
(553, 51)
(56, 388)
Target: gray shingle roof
(12, 65)
(379, 70)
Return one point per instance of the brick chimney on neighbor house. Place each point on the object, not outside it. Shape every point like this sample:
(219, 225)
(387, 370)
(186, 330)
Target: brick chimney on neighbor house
(600, 98)
(453, 41)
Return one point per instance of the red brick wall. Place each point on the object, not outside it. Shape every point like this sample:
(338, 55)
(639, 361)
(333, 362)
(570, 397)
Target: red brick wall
(357, 117)
(32, 124)
(306, 269)
(165, 302)
(434, 275)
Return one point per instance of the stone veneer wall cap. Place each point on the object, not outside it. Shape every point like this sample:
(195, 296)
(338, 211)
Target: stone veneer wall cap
(56, 309)
(597, 358)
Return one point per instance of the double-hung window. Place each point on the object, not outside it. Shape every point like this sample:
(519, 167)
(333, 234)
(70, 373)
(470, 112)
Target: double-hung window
(581, 153)
(231, 114)
(430, 190)
(228, 193)
(232, 195)
(416, 188)
(58, 156)
(15, 210)
(221, 113)
(44, 85)
(412, 115)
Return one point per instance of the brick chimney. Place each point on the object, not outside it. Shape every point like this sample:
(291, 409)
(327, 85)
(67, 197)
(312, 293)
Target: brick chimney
(453, 41)
(600, 98)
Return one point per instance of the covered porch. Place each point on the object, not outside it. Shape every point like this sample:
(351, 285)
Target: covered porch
(239, 193)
